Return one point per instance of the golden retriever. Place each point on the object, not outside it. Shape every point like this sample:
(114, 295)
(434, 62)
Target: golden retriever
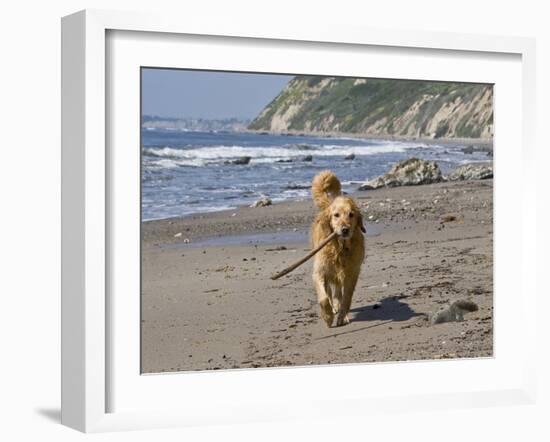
(336, 267)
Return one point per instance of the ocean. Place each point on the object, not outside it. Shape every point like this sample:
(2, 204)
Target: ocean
(187, 172)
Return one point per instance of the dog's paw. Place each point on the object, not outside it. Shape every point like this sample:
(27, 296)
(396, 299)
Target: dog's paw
(342, 320)
(326, 312)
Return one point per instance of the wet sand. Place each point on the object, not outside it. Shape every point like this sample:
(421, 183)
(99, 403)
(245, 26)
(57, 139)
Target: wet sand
(208, 302)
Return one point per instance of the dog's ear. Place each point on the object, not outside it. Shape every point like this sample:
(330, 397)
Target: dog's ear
(324, 221)
(360, 221)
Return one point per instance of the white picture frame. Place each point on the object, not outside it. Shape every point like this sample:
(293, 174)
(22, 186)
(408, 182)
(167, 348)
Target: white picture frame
(87, 317)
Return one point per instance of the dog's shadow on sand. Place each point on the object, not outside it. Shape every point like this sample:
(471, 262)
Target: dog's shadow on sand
(391, 308)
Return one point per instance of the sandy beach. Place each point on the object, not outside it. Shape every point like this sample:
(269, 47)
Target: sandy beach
(208, 302)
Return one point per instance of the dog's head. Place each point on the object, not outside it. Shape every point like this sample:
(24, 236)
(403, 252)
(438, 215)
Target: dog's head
(344, 217)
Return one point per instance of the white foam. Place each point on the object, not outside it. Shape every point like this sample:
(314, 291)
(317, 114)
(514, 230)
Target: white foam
(173, 213)
(204, 155)
(168, 163)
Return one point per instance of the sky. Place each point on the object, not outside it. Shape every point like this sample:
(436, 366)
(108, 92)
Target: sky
(203, 94)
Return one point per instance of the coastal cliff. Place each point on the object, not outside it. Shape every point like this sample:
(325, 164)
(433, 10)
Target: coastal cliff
(377, 107)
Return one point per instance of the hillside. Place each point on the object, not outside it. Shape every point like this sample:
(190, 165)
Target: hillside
(377, 107)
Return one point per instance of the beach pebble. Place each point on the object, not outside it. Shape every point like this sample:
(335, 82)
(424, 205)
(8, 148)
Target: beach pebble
(448, 218)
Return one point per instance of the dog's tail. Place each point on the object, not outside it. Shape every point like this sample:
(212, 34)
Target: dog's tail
(324, 188)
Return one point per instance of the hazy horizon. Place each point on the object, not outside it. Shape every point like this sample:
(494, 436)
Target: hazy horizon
(210, 95)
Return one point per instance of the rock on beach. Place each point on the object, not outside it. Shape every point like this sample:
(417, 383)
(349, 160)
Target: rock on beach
(472, 172)
(262, 203)
(410, 172)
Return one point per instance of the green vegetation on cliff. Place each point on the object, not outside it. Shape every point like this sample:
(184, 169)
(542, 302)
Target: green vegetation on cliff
(380, 107)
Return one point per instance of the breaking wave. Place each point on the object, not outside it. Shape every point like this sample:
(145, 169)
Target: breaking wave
(201, 156)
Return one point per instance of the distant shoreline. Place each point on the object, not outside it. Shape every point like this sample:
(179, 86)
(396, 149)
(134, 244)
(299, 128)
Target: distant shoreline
(481, 142)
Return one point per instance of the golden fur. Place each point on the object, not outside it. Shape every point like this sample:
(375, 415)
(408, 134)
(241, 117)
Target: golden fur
(336, 267)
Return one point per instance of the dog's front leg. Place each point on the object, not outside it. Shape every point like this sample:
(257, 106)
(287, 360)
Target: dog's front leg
(349, 287)
(336, 298)
(323, 298)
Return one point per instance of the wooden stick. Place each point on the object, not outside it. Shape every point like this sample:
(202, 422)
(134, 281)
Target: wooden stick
(305, 258)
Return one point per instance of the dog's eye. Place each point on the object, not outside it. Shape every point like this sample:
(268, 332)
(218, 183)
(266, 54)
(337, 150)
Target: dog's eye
(351, 215)
(336, 215)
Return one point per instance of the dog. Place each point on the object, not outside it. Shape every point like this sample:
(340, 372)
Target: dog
(337, 266)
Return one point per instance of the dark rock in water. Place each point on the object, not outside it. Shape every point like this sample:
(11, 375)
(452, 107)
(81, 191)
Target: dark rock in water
(410, 172)
(295, 186)
(351, 156)
(241, 160)
(307, 158)
(480, 148)
(285, 160)
(472, 171)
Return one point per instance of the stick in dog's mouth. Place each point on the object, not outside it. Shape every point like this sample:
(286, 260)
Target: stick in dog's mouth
(305, 258)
